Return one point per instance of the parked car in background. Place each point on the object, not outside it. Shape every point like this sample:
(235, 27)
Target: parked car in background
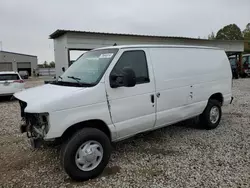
(246, 64)
(242, 70)
(10, 83)
(24, 74)
(234, 68)
(113, 93)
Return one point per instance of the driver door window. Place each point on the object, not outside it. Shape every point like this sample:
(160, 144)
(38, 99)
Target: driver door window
(137, 61)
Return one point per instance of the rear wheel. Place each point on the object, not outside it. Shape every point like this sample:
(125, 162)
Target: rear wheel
(211, 116)
(86, 154)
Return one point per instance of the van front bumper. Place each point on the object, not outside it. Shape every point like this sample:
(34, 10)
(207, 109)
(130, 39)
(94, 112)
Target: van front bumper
(35, 125)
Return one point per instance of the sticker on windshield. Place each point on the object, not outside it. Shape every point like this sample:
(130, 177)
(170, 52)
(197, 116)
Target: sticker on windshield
(92, 58)
(109, 55)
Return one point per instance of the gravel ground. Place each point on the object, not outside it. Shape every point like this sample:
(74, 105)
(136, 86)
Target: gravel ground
(181, 155)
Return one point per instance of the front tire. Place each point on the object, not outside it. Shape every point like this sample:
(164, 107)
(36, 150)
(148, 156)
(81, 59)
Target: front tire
(211, 116)
(86, 154)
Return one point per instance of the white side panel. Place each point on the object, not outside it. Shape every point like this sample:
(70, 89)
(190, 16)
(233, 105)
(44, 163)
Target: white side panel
(174, 115)
(61, 120)
(83, 105)
(186, 78)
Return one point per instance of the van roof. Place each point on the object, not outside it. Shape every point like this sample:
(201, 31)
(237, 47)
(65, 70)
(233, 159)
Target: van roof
(157, 46)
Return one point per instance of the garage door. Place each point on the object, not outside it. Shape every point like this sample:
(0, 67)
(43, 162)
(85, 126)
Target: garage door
(24, 66)
(6, 66)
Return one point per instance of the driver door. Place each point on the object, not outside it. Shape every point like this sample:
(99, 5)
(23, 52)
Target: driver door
(132, 109)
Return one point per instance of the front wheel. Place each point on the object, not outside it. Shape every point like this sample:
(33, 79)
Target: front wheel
(211, 116)
(86, 154)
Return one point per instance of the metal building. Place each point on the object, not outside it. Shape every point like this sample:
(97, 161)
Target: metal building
(10, 61)
(68, 40)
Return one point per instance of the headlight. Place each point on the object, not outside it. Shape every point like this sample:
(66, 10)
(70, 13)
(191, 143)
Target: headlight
(44, 121)
(38, 123)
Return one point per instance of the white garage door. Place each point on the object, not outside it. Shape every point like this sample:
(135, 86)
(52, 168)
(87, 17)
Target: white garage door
(6, 66)
(23, 65)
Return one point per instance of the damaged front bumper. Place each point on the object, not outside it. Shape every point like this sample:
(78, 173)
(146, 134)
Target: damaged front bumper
(36, 126)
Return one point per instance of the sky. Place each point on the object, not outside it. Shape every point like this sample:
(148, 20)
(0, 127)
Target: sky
(25, 25)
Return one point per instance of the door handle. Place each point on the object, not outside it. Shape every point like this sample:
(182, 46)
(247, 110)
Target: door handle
(152, 98)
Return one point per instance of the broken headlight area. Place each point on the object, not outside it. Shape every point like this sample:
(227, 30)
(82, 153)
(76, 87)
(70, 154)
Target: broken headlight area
(23, 105)
(35, 124)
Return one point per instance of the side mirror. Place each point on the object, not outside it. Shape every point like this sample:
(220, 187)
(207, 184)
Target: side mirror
(127, 78)
(63, 69)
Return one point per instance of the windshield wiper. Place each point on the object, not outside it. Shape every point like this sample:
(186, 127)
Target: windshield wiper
(76, 79)
(60, 77)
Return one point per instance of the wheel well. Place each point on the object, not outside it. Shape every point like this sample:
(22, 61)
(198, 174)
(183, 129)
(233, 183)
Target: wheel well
(98, 124)
(218, 97)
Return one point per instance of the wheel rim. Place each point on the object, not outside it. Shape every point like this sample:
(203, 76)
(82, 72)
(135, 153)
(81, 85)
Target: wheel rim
(89, 155)
(214, 114)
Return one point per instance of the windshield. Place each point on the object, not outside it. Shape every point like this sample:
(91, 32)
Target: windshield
(89, 68)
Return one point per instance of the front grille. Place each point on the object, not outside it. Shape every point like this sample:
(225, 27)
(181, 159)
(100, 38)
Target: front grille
(23, 106)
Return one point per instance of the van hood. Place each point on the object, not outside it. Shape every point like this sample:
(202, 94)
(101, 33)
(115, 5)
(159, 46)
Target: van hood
(40, 97)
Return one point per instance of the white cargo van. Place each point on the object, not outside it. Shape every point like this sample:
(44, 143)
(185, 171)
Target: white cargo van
(113, 93)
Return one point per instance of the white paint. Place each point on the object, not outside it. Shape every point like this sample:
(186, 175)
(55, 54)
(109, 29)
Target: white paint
(188, 76)
(67, 105)
(185, 77)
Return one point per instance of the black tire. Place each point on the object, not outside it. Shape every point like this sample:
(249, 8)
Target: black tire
(205, 116)
(68, 153)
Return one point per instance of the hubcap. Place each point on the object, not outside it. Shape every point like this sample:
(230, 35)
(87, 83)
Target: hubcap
(214, 114)
(89, 155)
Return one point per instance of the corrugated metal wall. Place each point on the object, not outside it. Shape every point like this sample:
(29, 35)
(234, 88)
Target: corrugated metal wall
(47, 71)
(6, 66)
